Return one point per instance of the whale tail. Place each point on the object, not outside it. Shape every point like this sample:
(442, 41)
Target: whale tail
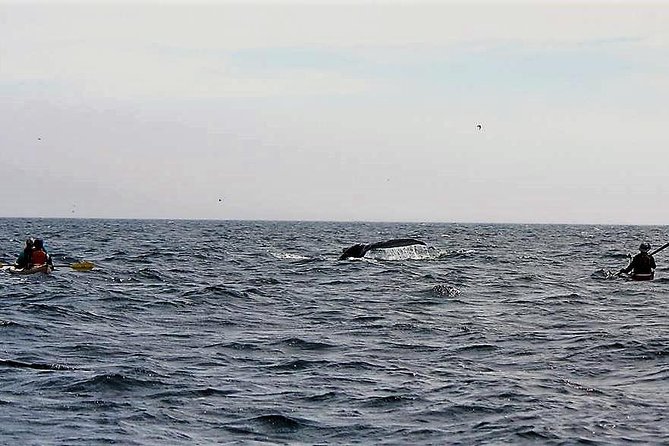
(396, 243)
(359, 250)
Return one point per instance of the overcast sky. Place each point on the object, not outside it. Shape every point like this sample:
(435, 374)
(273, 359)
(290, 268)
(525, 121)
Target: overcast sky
(327, 111)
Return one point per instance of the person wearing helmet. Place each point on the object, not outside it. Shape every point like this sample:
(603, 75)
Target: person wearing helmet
(23, 259)
(642, 266)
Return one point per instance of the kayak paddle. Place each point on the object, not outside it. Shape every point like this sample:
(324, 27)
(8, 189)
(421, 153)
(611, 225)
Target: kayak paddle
(659, 249)
(78, 266)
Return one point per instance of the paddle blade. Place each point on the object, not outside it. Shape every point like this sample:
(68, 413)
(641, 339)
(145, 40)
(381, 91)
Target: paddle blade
(82, 266)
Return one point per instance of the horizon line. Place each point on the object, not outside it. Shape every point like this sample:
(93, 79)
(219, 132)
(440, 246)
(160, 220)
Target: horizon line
(501, 223)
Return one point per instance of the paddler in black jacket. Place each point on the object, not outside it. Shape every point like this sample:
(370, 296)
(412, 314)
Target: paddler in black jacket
(23, 261)
(642, 265)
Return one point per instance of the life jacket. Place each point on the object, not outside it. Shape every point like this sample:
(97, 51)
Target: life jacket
(643, 263)
(38, 257)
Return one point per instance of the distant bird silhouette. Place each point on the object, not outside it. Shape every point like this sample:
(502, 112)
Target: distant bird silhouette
(479, 127)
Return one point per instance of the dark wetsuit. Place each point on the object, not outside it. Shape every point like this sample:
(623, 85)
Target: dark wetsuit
(642, 264)
(24, 258)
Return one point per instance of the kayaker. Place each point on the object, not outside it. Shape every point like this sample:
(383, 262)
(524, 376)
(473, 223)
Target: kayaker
(23, 259)
(39, 255)
(642, 265)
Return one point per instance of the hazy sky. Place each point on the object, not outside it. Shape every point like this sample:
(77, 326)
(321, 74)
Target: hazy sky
(333, 111)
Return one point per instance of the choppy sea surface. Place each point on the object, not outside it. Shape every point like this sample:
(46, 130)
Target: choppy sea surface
(227, 332)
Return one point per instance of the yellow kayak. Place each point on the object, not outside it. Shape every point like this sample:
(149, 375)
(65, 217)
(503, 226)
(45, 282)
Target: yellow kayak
(44, 269)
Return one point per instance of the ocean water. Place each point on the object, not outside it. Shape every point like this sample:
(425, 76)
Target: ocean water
(224, 332)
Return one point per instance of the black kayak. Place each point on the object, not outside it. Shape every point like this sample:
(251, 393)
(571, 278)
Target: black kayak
(639, 277)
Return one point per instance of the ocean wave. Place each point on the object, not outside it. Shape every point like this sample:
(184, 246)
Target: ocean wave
(299, 364)
(115, 382)
(366, 319)
(389, 401)
(188, 393)
(444, 290)
(457, 253)
(302, 344)
(144, 274)
(323, 396)
(216, 291)
(605, 274)
(33, 365)
(264, 281)
(241, 346)
(475, 348)
(269, 424)
(288, 256)
(6, 323)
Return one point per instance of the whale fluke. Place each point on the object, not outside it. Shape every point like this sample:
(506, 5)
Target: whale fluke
(359, 250)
